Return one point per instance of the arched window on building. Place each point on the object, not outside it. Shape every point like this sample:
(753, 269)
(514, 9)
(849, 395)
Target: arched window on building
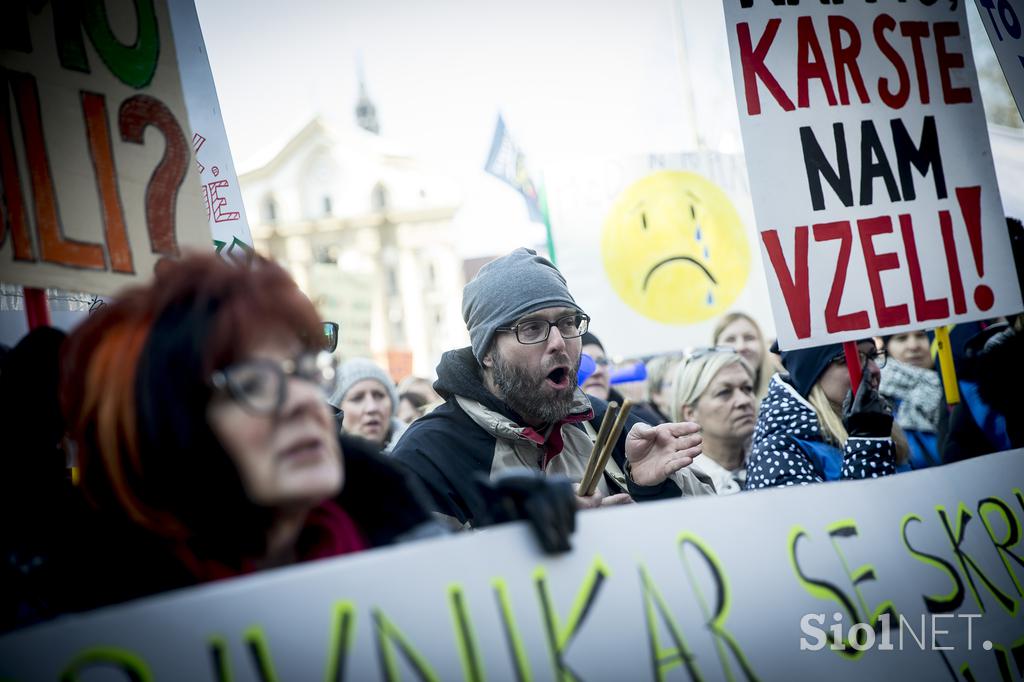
(320, 179)
(379, 197)
(270, 209)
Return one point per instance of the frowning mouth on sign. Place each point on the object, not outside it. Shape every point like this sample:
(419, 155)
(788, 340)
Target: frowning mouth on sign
(673, 259)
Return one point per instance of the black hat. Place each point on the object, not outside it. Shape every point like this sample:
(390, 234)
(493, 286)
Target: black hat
(806, 365)
(591, 340)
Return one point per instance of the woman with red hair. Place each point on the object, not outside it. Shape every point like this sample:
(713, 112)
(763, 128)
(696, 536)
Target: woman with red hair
(206, 448)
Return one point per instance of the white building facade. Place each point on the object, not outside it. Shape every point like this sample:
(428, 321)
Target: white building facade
(366, 231)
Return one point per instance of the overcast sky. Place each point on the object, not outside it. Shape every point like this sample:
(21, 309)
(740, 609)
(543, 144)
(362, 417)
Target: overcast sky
(573, 77)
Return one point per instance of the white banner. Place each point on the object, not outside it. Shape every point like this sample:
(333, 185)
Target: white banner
(871, 172)
(222, 197)
(920, 575)
(656, 248)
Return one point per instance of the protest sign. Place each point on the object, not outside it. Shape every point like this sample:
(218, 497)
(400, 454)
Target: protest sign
(871, 172)
(815, 582)
(1002, 19)
(97, 179)
(222, 197)
(656, 248)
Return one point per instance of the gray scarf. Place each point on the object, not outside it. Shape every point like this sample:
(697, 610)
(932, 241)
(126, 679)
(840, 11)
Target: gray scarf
(916, 391)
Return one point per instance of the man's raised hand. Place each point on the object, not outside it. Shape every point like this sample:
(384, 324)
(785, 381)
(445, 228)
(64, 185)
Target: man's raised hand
(656, 452)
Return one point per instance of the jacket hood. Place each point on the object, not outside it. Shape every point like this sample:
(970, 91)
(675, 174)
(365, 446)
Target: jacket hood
(785, 410)
(459, 373)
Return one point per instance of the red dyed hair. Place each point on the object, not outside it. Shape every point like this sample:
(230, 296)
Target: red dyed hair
(136, 387)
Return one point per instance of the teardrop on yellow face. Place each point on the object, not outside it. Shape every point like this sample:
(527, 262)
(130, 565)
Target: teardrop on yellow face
(674, 248)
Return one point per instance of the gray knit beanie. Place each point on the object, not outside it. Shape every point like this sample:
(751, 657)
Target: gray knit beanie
(355, 370)
(508, 288)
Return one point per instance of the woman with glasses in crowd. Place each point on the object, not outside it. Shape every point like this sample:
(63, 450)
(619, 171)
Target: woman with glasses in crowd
(715, 388)
(204, 439)
(810, 429)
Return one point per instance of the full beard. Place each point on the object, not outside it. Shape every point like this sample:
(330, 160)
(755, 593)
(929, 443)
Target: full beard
(529, 395)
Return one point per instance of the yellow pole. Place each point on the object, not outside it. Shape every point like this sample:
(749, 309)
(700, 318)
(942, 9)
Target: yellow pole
(945, 351)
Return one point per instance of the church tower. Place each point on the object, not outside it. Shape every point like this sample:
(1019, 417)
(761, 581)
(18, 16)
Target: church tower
(366, 112)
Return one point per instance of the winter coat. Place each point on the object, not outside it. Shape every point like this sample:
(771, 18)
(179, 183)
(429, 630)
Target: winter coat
(395, 430)
(789, 447)
(726, 481)
(646, 412)
(108, 560)
(916, 394)
(989, 417)
(474, 434)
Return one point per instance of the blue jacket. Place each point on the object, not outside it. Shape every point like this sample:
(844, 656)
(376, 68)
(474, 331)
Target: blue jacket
(789, 447)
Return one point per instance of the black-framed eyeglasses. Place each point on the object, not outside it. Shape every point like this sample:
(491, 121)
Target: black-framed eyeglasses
(536, 331)
(874, 355)
(260, 385)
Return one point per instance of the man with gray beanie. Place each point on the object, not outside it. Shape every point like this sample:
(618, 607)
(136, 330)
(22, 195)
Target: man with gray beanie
(512, 402)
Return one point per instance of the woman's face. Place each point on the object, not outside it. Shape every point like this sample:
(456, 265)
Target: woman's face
(835, 381)
(285, 460)
(911, 348)
(597, 384)
(407, 412)
(743, 336)
(725, 410)
(367, 408)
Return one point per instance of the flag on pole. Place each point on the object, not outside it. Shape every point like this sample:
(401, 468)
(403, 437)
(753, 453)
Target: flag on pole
(507, 162)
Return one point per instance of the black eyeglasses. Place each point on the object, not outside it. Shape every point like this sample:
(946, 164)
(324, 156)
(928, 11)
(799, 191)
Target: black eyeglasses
(874, 355)
(536, 331)
(259, 385)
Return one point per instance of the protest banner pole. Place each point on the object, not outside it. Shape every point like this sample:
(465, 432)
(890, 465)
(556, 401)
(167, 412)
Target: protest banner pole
(853, 364)
(36, 309)
(948, 370)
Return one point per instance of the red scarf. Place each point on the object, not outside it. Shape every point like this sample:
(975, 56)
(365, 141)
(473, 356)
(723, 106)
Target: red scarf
(329, 531)
(554, 443)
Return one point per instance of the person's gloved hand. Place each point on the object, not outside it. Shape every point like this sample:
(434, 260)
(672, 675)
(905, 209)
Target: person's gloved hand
(869, 415)
(546, 502)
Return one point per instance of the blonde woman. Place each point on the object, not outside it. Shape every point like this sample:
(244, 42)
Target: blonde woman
(741, 332)
(661, 371)
(715, 388)
(811, 430)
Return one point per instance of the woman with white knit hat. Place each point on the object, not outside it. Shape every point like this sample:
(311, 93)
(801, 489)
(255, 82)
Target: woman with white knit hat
(368, 401)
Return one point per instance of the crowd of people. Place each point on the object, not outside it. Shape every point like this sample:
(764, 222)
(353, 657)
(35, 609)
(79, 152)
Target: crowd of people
(196, 428)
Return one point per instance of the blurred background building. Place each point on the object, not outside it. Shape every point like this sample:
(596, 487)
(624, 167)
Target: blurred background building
(366, 230)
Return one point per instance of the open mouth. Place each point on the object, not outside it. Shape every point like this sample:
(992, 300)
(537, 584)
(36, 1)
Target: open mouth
(674, 259)
(559, 377)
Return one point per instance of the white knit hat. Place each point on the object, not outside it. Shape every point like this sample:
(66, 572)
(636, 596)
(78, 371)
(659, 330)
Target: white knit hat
(355, 370)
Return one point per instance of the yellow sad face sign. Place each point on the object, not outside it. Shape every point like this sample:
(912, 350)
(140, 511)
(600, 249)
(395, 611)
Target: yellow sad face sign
(674, 248)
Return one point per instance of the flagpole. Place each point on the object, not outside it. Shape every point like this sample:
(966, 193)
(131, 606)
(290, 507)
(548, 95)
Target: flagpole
(543, 201)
